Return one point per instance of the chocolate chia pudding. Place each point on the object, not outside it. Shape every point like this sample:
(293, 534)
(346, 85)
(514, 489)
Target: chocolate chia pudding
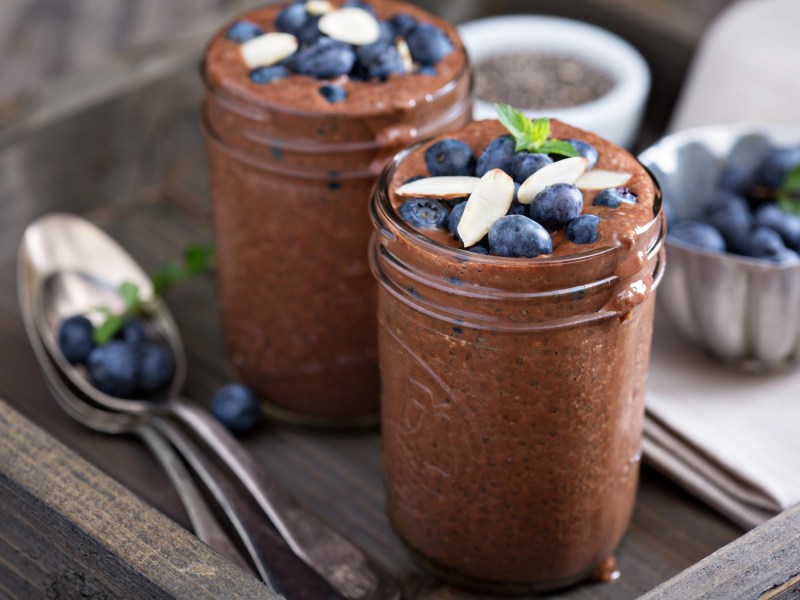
(294, 150)
(513, 387)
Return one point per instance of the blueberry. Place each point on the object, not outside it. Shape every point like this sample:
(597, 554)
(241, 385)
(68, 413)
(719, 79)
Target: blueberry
(268, 74)
(75, 339)
(403, 24)
(516, 208)
(478, 248)
(133, 332)
(725, 201)
(556, 205)
(499, 154)
(424, 213)
(428, 44)
(450, 157)
(698, 234)
(378, 61)
(309, 33)
(524, 164)
(112, 368)
(585, 150)
(734, 223)
(764, 243)
(776, 166)
(292, 18)
(613, 197)
(243, 30)
(360, 4)
(333, 93)
(737, 179)
(517, 235)
(237, 407)
(326, 59)
(454, 218)
(429, 71)
(155, 368)
(583, 229)
(387, 33)
(786, 224)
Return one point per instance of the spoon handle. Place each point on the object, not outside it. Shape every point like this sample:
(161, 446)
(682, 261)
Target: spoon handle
(336, 559)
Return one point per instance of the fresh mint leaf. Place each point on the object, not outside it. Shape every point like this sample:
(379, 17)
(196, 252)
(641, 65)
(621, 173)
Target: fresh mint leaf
(531, 136)
(104, 332)
(165, 278)
(789, 194)
(540, 131)
(561, 147)
(518, 124)
(130, 294)
(199, 258)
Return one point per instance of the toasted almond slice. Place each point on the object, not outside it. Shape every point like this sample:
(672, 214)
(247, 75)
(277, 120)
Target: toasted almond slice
(439, 187)
(490, 201)
(319, 7)
(405, 54)
(351, 25)
(602, 180)
(563, 171)
(267, 49)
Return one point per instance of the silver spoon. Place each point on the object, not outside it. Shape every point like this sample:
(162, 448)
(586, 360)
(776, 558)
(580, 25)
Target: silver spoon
(78, 267)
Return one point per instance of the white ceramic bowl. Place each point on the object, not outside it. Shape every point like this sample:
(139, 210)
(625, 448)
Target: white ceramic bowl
(615, 116)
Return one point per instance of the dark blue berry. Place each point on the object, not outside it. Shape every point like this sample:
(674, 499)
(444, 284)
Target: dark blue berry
(585, 150)
(75, 339)
(429, 71)
(378, 61)
(516, 208)
(428, 44)
(237, 407)
(613, 197)
(243, 30)
(424, 213)
(268, 74)
(403, 24)
(450, 157)
(737, 179)
(333, 93)
(786, 224)
(499, 154)
(454, 218)
(112, 368)
(776, 166)
(292, 18)
(517, 235)
(155, 368)
(734, 223)
(764, 243)
(360, 4)
(478, 248)
(133, 332)
(725, 201)
(326, 59)
(698, 234)
(387, 33)
(556, 205)
(524, 164)
(309, 33)
(583, 229)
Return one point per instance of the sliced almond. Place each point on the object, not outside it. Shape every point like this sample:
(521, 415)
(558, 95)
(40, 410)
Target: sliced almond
(563, 171)
(268, 49)
(602, 180)
(439, 187)
(490, 201)
(351, 25)
(319, 7)
(405, 54)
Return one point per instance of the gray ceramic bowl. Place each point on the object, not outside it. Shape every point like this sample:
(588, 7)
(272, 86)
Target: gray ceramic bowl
(743, 311)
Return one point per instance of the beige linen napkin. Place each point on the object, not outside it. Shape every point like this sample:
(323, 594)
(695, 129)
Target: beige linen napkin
(730, 438)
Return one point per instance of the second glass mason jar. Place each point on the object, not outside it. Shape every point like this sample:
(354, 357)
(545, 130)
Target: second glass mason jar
(291, 175)
(512, 400)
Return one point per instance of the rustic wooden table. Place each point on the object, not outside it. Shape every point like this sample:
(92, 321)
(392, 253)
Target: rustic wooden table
(125, 150)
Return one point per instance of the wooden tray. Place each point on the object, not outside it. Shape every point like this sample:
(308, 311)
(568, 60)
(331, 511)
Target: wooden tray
(90, 516)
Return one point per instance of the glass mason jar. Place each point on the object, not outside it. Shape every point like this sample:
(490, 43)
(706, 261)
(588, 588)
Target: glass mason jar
(290, 190)
(512, 401)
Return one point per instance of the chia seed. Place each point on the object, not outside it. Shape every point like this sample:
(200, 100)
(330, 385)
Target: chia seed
(539, 81)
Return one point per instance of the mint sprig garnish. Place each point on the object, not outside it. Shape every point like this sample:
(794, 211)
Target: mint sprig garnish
(789, 193)
(197, 259)
(532, 136)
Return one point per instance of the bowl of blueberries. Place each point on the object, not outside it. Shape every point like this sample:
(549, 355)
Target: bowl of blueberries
(732, 199)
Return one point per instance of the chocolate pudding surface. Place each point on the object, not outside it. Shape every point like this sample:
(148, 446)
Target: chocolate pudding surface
(513, 388)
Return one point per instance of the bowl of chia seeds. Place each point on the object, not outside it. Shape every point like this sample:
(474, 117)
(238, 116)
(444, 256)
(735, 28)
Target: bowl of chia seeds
(555, 67)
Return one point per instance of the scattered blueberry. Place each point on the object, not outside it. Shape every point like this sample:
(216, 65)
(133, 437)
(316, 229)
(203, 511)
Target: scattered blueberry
(133, 332)
(517, 235)
(112, 368)
(378, 61)
(237, 407)
(424, 213)
(326, 59)
(613, 197)
(764, 243)
(75, 339)
(454, 218)
(499, 154)
(583, 229)
(777, 164)
(478, 248)
(524, 164)
(292, 18)
(268, 74)
(333, 93)
(734, 223)
(429, 71)
(387, 33)
(403, 24)
(698, 233)
(724, 201)
(786, 224)
(155, 368)
(585, 150)
(450, 157)
(516, 208)
(309, 33)
(428, 44)
(556, 205)
(737, 179)
(244, 30)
